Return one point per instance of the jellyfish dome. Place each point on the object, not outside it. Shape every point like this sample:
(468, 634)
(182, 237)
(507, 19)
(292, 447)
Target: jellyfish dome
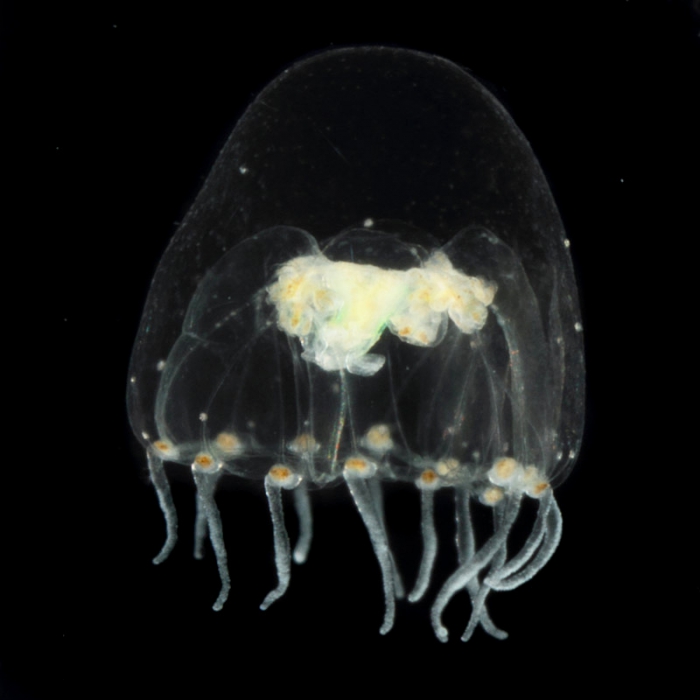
(373, 285)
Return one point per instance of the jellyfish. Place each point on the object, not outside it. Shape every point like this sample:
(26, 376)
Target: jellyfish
(373, 286)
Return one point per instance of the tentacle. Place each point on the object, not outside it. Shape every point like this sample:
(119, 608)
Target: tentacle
(427, 526)
(479, 593)
(529, 548)
(465, 551)
(552, 537)
(464, 533)
(377, 496)
(200, 528)
(281, 544)
(205, 481)
(302, 504)
(159, 479)
(471, 568)
(356, 479)
(279, 477)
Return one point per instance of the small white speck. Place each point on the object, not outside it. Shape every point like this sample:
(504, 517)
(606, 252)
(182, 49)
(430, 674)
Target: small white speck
(145, 435)
(578, 327)
(203, 417)
(242, 170)
(559, 455)
(133, 380)
(572, 454)
(567, 243)
(368, 223)
(161, 365)
(114, 26)
(621, 180)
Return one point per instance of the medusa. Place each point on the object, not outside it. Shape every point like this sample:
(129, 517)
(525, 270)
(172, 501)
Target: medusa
(373, 285)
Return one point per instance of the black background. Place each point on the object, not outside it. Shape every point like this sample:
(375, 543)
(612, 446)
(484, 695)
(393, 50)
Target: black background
(135, 102)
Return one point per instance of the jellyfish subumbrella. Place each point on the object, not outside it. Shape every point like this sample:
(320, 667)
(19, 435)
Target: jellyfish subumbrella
(373, 285)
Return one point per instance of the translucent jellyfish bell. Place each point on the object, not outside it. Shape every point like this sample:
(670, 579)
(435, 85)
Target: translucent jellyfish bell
(373, 285)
